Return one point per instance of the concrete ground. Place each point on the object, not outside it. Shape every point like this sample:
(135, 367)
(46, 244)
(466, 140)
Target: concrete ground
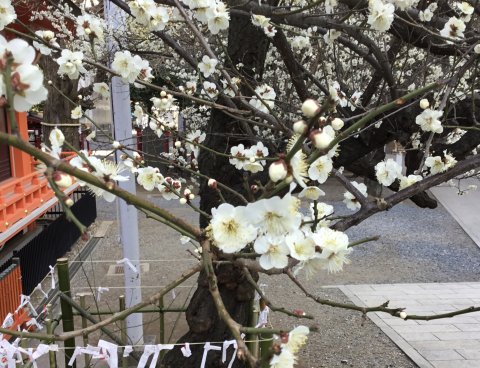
(416, 246)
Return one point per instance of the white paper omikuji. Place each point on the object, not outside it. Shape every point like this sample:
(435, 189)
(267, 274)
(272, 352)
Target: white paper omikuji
(52, 276)
(40, 289)
(127, 350)
(7, 351)
(226, 345)
(25, 300)
(158, 349)
(206, 349)
(147, 351)
(100, 291)
(110, 351)
(126, 261)
(263, 317)
(186, 350)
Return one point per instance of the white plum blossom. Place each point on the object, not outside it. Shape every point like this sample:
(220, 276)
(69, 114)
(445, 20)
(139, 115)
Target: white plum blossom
(323, 210)
(285, 359)
(239, 156)
(300, 42)
(331, 35)
(301, 247)
(90, 27)
(210, 89)
(274, 252)
(297, 338)
(330, 6)
(49, 40)
(311, 193)
(26, 79)
(231, 228)
(406, 181)
(266, 97)
(299, 168)
(260, 20)
(125, 65)
(320, 169)
(207, 66)
(334, 245)
(349, 199)
(76, 113)
(454, 28)
(387, 172)
(218, 18)
(404, 4)
(149, 178)
(270, 31)
(56, 139)
(427, 14)
(159, 18)
(196, 136)
(429, 121)
(435, 164)
(142, 10)
(164, 102)
(7, 13)
(165, 188)
(102, 89)
(272, 216)
(380, 15)
(71, 64)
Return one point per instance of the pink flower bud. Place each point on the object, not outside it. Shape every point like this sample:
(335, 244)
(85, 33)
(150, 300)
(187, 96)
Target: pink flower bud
(310, 108)
(62, 180)
(337, 124)
(212, 183)
(320, 139)
(278, 171)
(300, 127)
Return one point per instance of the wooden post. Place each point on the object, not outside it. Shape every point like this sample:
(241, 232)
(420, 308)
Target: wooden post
(123, 326)
(162, 326)
(84, 325)
(50, 329)
(265, 349)
(67, 312)
(253, 320)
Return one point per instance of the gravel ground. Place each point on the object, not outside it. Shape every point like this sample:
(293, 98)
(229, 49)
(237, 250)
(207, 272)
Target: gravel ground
(416, 245)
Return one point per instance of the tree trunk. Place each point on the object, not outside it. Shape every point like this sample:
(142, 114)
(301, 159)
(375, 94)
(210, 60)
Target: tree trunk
(248, 45)
(57, 109)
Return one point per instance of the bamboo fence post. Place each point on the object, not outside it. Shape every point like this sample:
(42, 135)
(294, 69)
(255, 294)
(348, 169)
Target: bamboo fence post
(49, 322)
(265, 349)
(123, 324)
(253, 320)
(67, 311)
(162, 326)
(84, 325)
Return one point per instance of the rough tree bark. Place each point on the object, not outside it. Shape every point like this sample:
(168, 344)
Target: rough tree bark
(246, 45)
(57, 109)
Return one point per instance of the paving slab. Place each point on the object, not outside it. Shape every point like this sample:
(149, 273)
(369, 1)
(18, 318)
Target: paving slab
(441, 343)
(462, 207)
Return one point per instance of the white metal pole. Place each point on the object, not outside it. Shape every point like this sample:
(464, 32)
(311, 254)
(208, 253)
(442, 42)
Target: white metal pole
(127, 215)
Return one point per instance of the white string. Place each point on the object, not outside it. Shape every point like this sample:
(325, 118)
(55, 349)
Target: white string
(138, 260)
(132, 287)
(177, 344)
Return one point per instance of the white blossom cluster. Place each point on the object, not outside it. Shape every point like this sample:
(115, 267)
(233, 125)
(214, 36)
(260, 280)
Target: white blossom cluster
(275, 227)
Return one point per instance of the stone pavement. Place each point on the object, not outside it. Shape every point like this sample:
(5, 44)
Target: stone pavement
(442, 343)
(463, 208)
